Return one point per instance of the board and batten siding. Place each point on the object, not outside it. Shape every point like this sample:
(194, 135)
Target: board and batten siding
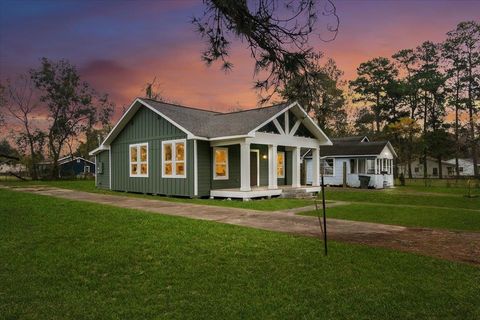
(103, 179)
(233, 169)
(148, 127)
(204, 163)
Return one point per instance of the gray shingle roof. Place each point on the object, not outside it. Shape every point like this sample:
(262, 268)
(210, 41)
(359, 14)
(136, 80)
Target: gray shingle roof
(353, 148)
(211, 124)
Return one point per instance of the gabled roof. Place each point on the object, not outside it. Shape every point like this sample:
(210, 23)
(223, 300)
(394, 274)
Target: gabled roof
(351, 139)
(211, 125)
(364, 148)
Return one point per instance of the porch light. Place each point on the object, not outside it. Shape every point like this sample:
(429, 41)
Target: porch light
(264, 157)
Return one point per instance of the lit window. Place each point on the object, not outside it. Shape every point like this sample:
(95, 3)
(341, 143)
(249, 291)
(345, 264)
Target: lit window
(281, 164)
(139, 160)
(327, 166)
(173, 159)
(220, 163)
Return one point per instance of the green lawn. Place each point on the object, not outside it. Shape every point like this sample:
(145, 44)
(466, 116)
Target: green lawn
(64, 259)
(89, 186)
(401, 197)
(442, 218)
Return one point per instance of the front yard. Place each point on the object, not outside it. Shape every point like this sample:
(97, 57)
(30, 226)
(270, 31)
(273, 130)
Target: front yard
(66, 259)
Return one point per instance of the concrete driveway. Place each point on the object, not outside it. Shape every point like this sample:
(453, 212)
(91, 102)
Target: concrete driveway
(457, 246)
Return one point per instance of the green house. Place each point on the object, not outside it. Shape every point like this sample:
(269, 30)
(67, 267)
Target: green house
(167, 149)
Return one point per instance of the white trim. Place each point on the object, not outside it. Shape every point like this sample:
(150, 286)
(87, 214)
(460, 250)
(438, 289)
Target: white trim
(295, 127)
(174, 161)
(96, 151)
(236, 193)
(195, 168)
(96, 171)
(127, 116)
(257, 151)
(272, 167)
(296, 167)
(287, 121)
(232, 137)
(278, 126)
(283, 164)
(283, 140)
(138, 146)
(70, 159)
(215, 177)
(85, 167)
(245, 166)
(322, 167)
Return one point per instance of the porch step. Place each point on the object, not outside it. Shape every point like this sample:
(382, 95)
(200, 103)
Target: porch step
(296, 193)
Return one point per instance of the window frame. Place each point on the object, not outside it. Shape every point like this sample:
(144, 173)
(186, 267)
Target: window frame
(283, 165)
(174, 161)
(226, 176)
(85, 169)
(322, 167)
(139, 163)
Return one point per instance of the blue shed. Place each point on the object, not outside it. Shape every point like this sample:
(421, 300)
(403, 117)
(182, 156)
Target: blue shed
(73, 166)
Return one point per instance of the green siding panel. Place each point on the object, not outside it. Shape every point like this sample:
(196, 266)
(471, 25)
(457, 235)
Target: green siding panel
(103, 179)
(233, 169)
(204, 164)
(288, 168)
(147, 126)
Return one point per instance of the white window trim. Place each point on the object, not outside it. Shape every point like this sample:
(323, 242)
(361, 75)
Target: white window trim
(174, 161)
(85, 169)
(215, 177)
(333, 167)
(283, 165)
(139, 163)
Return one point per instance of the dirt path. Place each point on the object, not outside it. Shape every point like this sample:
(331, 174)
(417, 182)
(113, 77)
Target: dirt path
(456, 246)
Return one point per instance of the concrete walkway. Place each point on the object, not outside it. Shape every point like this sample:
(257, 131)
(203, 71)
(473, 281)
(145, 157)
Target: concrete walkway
(458, 246)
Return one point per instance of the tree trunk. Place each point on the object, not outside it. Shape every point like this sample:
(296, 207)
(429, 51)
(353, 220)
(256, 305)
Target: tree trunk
(470, 114)
(457, 151)
(425, 114)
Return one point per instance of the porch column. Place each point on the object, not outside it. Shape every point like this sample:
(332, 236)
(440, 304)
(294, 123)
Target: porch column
(245, 166)
(272, 167)
(316, 167)
(296, 167)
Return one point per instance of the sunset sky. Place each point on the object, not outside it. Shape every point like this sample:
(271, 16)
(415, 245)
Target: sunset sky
(120, 45)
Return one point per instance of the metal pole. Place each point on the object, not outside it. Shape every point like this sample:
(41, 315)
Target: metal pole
(324, 216)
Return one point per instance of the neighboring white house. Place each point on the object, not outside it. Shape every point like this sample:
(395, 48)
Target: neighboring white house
(448, 170)
(465, 167)
(351, 157)
(10, 167)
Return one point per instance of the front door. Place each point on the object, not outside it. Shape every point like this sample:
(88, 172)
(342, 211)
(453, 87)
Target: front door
(253, 168)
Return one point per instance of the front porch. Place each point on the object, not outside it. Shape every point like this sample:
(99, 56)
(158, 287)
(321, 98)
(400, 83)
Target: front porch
(264, 192)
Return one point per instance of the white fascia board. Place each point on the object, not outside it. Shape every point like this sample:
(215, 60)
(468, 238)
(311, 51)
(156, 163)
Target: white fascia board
(98, 150)
(129, 114)
(271, 119)
(231, 137)
(315, 126)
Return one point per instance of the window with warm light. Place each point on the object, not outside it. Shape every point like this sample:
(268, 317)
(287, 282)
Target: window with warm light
(281, 164)
(220, 163)
(139, 160)
(173, 159)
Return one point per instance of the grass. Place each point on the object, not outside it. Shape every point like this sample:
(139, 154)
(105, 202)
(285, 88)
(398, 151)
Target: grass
(89, 186)
(442, 218)
(66, 259)
(450, 186)
(394, 196)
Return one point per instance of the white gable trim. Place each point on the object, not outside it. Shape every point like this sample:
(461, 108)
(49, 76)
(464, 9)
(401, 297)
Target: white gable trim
(134, 107)
(319, 134)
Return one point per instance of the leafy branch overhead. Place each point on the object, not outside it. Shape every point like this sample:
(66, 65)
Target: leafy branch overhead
(276, 32)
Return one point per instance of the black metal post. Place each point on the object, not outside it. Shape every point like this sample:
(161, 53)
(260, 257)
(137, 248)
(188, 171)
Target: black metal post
(324, 217)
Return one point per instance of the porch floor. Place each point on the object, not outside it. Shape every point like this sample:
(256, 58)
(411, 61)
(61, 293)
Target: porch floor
(260, 192)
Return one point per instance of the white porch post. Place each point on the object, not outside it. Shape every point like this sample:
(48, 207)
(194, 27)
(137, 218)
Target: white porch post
(296, 167)
(272, 167)
(316, 167)
(245, 166)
